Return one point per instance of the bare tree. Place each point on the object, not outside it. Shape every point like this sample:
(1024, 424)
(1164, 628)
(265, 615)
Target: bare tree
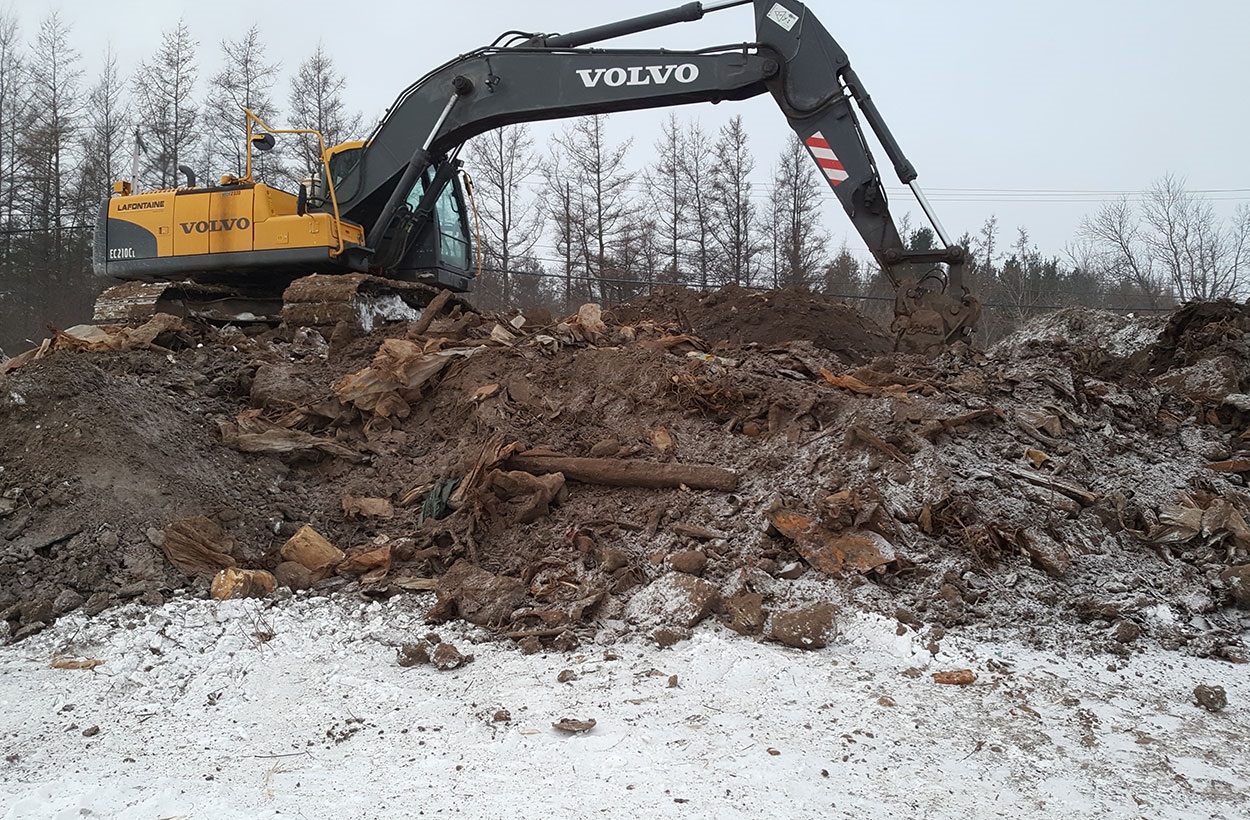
(983, 248)
(167, 114)
(696, 180)
(316, 102)
(663, 184)
(1118, 251)
(14, 102)
(734, 216)
(1200, 257)
(601, 194)
(566, 222)
(503, 160)
(245, 81)
(50, 139)
(1174, 245)
(801, 244)
(105, 135)
(1027, 279)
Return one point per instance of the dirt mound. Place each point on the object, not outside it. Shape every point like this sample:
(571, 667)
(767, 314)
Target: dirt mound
(555, 480)
(1202, 330)
(736, 317)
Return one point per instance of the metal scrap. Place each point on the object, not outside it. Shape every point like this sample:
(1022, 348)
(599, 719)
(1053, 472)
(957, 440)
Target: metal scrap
(829, 551)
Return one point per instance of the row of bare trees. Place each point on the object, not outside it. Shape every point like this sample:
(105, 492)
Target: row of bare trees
(573, 219)
(68, 131)
(592, 226)
(578, 221)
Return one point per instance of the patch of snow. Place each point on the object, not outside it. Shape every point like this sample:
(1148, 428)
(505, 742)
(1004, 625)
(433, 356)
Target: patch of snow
(388, 308)
(248, 709)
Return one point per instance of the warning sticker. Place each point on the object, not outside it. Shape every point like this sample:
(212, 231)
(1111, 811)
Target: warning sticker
(783, 17)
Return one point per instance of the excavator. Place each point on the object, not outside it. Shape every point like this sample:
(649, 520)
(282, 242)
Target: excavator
(384, 222)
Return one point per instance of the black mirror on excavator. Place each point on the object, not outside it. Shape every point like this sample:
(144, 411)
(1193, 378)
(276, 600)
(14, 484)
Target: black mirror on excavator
(263, 142)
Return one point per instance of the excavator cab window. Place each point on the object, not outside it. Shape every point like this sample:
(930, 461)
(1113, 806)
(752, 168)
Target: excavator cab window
(454, 244)
(453, 240)
(343, 160)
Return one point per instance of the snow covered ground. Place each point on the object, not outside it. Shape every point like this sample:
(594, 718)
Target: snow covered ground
(241, 709)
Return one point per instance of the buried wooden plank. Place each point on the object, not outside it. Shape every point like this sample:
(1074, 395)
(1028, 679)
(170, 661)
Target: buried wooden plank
(625, 473)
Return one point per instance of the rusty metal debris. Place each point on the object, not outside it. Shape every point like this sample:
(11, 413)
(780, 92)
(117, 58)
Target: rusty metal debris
(829, 551)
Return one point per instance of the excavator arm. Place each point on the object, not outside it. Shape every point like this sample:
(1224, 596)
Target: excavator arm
(391, 188)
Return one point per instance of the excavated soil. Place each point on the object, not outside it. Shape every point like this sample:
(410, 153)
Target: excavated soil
(1081, 480)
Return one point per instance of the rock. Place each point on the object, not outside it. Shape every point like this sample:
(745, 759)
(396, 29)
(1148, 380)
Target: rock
(1047, 553)
(476, 595)
(1209, 381)
(612, 559)
(792, 571)
(242, 583)
(416, 654)
(294, 575)
(38, 610)
(677, 600)
(908, 618)
(96, 604)
(276, 387)
(311, 549)
(530, 645)
(67, 602)
(573, 727)
(153, 597)
(446, 657)
(1126, 631)
(1237, 579)
(1098, 609)
(566, 641)
(108, 540)
(1211, 698)
(29, 629)
(808, 628)
(605, 448)
(691, 562)
(666, 636)
(745, 613)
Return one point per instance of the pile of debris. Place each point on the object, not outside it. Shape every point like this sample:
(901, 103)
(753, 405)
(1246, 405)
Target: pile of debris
(761, 459)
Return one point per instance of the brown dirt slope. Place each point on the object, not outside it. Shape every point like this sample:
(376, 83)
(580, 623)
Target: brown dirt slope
(1078, 480)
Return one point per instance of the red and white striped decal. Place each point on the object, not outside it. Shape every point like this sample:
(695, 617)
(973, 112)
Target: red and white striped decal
(826, 159)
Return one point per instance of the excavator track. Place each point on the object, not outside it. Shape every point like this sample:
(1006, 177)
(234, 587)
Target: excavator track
(358, 300)
(139, 301)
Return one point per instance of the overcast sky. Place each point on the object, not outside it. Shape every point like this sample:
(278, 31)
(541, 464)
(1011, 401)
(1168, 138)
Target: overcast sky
(1035, 110)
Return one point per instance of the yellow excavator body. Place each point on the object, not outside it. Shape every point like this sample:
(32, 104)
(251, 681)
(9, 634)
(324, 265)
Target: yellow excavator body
(170, 233)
